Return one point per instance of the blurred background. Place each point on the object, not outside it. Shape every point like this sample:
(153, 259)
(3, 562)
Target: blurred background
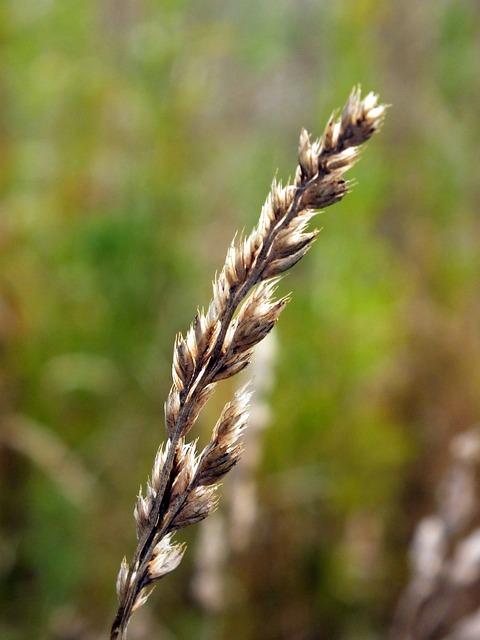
(136, 136)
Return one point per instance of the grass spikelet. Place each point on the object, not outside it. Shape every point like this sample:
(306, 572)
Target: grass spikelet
(219, 344)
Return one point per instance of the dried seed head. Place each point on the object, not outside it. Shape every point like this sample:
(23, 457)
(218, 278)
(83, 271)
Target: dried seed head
(165, 558)
(200, 502)
(324, 192)
(183, 362)
(141, 512)
(342, 161)
(201, 338)
(182, 487)
(282, 199)
(269, 211)
(292, 243)
(233, 364)
(256, 318)
(141, 599)
(360, 118)
(330, 136)
(191, 353)
(158, 464)
(195, 407)
(221, 292)
(151, 492)
(238, 262)
(187, 466)
(225, 448)
(172, 408)
(307, 156)
(122, 579)
(276, 267)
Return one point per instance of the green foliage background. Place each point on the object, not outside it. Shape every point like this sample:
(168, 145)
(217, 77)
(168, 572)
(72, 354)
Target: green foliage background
(135, 137)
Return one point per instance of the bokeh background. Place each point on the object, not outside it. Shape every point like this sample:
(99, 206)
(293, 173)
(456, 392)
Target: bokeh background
(135, 137)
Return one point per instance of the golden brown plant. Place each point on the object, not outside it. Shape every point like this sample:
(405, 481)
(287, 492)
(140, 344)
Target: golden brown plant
(219, 344)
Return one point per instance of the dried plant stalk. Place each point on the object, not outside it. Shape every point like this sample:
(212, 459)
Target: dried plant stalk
(219, 344)
(442, 599)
